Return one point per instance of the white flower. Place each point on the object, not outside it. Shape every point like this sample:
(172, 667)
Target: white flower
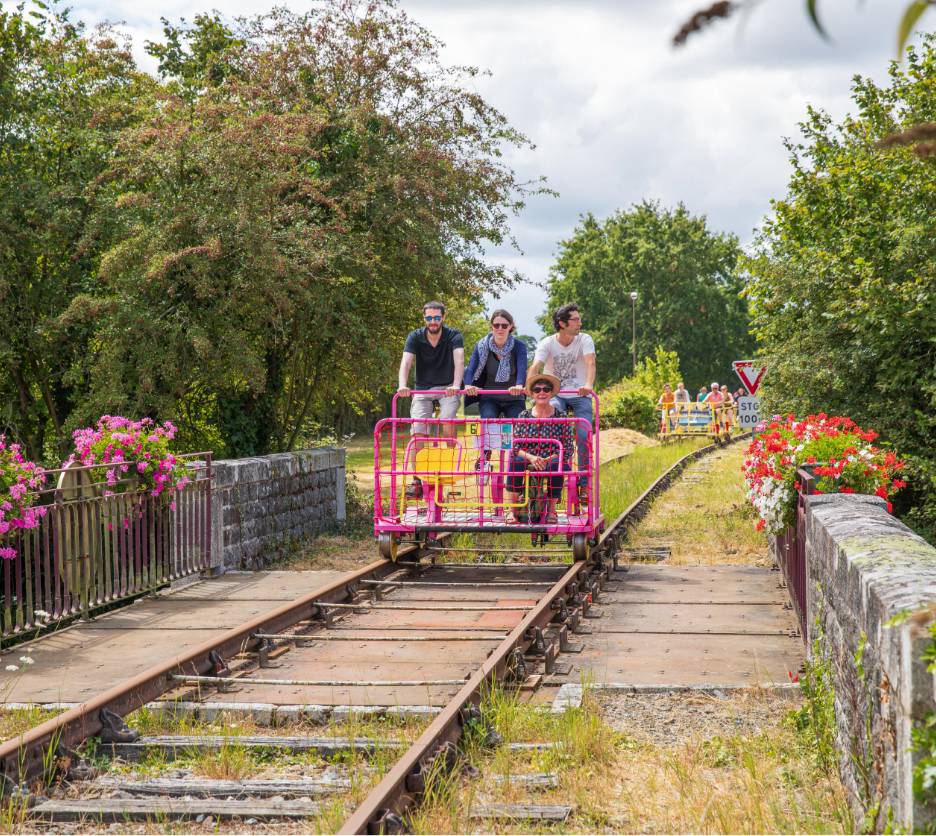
(27, 659)
(12, 667)
(41, 613)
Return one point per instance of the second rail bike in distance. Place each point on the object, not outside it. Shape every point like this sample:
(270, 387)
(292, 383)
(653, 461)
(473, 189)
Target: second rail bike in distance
(698, 418)
(463, 475)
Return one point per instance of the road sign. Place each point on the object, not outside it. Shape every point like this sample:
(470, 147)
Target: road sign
(751, 375)
(748, 411)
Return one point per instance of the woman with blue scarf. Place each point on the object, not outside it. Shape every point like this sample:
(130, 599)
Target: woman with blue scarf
(499, 361)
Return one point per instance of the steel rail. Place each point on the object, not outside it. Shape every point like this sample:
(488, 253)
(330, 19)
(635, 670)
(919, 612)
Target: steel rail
(328, 637)
(382, 810)
(396, 791)
(22, 758)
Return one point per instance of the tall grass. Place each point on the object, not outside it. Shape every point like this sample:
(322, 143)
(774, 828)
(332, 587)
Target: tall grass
(625, 480)
(706, 518)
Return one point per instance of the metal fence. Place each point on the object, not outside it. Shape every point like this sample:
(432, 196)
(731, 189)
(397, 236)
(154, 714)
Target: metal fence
(791, 552)
(91, 550)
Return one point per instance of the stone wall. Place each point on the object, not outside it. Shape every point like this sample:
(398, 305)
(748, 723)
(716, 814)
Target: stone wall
(260, 502)
(867, 573)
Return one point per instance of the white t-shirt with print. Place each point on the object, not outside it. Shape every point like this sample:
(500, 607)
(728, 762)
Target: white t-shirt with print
(567, 362)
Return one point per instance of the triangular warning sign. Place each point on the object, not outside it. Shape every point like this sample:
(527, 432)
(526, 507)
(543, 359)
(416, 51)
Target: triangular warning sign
(750, 375)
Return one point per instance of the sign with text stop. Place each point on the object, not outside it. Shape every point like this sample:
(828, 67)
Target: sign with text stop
(748, 411)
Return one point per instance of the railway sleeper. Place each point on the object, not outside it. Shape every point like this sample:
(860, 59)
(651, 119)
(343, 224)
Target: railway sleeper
(160, 808)
(329, 784)
(172, 746)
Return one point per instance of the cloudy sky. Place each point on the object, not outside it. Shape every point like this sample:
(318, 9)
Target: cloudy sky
(618, 115)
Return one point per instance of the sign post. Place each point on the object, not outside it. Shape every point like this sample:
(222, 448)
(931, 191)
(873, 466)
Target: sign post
(749, 404)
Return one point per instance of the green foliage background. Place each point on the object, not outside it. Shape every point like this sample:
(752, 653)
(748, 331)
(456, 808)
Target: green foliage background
(241, 243)
(688, 287)
(843, 277)
(632, 401)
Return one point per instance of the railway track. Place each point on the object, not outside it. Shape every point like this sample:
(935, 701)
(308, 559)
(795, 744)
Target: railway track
(418, 640)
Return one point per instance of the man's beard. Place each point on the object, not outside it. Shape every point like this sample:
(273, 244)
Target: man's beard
(434, 328)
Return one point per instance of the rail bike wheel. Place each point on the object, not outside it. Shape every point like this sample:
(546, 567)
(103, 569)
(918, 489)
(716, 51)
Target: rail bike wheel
(388, 544)
(580, 547)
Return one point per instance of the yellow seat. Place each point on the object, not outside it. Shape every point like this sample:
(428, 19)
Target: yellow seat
(435, 465)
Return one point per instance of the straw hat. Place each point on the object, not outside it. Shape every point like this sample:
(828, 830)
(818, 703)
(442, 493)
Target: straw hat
(552, 380)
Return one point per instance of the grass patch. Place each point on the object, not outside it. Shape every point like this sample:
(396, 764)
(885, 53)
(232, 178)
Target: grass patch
(706, 518)
(767, 780)
(17, 721)
(623, 481)
(584, 755)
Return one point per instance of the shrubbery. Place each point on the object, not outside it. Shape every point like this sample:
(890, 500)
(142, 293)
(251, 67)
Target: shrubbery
(124, 456)
(843, 275)
(630, 409)
(632, 401)
(131, 453)
(20, 481)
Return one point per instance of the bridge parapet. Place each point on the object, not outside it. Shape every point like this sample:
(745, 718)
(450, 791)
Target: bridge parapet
(871, 594)
(265, 500)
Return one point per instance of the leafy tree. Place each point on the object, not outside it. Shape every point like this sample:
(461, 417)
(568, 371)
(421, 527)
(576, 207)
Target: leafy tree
(63, 99)
(843, 280)
(655, 371)
(274, 225)
(687, 282)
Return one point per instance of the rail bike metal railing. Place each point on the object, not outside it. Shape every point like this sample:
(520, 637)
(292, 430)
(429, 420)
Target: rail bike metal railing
(791, 551)
(698, 418)
(92, 550)
(470, 477)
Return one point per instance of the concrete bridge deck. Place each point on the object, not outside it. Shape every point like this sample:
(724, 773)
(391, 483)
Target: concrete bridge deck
(660, 625)
(87, 658)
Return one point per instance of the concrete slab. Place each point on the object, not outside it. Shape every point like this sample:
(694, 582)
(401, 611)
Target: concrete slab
(691, 626)
(85, 659)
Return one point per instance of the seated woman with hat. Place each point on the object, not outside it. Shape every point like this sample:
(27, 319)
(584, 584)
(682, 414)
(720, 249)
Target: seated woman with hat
(540, 456)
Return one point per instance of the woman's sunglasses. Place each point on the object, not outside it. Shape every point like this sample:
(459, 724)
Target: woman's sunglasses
(500, 325)
(542, 389)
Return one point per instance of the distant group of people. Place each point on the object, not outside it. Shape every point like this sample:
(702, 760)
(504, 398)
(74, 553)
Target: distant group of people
(718, 396)
(498, 379)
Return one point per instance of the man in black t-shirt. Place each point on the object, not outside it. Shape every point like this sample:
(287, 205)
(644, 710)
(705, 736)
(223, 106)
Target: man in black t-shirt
(438, 353)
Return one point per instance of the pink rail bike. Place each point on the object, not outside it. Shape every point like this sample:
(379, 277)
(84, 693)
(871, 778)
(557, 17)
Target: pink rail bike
(465, 482)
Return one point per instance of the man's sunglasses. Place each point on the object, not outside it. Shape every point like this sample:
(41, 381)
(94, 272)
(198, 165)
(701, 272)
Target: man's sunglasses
(500, 325)
(542, 389)
(433, 319)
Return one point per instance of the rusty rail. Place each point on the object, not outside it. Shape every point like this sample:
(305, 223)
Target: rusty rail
(382, 810)
(26, 757)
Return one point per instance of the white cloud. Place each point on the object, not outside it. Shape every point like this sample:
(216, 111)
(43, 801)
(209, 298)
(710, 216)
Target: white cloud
(616, 113)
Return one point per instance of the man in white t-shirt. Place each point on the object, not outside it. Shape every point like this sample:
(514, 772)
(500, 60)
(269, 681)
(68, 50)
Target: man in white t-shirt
(570, 355)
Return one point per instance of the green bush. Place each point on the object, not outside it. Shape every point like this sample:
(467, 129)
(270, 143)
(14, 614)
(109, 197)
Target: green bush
(630, 409)
(631, 402)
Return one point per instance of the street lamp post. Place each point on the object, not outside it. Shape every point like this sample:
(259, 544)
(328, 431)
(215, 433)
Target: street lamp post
(633, 296)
